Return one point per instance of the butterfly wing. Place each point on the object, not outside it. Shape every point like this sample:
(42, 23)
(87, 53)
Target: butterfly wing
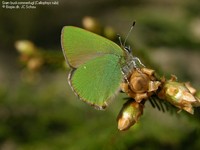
(97, 80)
(80, 45)
(96, 74)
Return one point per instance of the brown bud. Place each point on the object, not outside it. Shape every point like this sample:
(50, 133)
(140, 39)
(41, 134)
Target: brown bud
(129, 114)
(178, 95)
(141, 84)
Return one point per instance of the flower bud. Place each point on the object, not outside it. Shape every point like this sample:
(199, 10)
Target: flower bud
(178, 95)
(129, 114)
(141, 84)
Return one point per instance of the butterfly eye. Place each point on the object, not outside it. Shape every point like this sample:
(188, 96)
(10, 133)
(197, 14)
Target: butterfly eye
(128, 49)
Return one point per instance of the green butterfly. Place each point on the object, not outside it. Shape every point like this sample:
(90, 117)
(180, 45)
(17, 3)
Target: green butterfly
(98, 65)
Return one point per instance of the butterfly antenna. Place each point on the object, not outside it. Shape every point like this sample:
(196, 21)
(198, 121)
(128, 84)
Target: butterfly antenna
(120, 40)
(129, 32)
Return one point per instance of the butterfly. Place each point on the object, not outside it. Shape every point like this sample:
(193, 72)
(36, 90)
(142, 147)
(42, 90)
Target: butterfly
(98, 65)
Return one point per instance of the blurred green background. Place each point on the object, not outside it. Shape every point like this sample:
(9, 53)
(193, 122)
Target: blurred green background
(39, 111)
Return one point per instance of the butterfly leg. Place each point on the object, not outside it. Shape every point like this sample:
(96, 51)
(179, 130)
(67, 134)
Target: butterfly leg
(125, 72)
(136, 59)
